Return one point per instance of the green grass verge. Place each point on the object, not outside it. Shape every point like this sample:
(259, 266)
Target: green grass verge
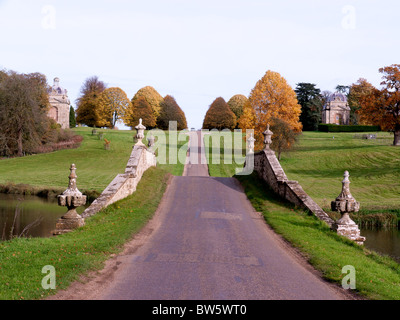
(377, 277)
(76, 253)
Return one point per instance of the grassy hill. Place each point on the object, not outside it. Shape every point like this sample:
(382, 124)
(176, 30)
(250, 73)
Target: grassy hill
(96, 167)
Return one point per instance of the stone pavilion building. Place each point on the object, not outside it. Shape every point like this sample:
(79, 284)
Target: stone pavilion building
(59, 104)
(336, 110)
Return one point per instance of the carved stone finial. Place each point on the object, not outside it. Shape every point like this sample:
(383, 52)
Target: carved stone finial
(251, 142)
(267, 138)
(346, 204)
(140, 132)
(71, 198)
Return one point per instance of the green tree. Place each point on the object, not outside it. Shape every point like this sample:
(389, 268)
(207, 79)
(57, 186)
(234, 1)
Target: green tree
(310, 99)
(219, 116)
(72, 119)
(113, 105)
(140, 109)
(152, 97)
(284, 136)
(170, 111)
(23, 112)
(87, 103)
(343, 89)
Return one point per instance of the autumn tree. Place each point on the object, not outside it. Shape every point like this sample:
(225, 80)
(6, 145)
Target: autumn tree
(87, 103)
(357, 92)
(170, 111)
(219, 116)
(140, 109)
(310, 100)
(284, 136)
(382, 107)
(236, 104)
(113, 104)
(152, 97)
(23, 112)
(272, 97)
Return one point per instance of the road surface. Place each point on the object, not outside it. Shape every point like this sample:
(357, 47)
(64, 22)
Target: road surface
(206, 242)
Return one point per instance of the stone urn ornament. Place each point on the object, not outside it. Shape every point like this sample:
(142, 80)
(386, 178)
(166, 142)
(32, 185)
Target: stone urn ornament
(251, 142)
(267, 138)
(346, 204)
(140, 132)
(72, 198)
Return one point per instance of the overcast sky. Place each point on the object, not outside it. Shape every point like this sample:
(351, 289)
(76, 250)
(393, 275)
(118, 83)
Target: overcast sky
(197, 51)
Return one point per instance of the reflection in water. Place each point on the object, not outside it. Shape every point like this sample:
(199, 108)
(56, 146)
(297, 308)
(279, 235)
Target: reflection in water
(19, 212)
(386, 242)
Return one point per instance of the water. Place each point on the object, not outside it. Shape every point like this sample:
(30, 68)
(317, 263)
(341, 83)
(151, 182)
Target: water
(17, 212)
(386, 242)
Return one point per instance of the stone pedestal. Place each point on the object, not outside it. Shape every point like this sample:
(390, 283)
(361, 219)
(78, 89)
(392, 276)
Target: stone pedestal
(349, 229)
(72, 198)
(346, 204)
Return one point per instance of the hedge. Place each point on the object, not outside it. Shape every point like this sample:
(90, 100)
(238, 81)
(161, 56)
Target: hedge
(340, 128)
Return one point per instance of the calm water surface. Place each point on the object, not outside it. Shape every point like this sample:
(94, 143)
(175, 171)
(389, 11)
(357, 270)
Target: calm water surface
(17, 212)
(386, 242)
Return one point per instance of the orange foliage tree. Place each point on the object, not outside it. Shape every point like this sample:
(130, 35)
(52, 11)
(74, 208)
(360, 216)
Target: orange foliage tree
(272, 97)
(140, 109)
(382, 107)
(170, 111)
(219, 116)
(152, 97)
(357, 92)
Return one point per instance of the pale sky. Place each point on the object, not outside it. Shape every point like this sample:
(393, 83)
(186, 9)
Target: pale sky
(196, 50)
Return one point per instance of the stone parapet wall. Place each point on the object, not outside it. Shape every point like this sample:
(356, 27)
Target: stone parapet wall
(269, 169)
(125, 184)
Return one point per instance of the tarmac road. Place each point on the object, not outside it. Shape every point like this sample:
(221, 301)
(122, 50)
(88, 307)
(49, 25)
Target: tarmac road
(209, 244)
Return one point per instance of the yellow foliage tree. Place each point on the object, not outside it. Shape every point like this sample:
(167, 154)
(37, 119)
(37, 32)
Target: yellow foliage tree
(272, 97)
(152, 97)
(112, 106)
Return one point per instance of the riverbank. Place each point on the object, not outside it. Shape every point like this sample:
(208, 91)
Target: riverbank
(82, 251)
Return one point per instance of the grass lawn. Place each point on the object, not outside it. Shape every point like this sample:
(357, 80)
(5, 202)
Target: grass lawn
(319, 161)
(96, 167)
